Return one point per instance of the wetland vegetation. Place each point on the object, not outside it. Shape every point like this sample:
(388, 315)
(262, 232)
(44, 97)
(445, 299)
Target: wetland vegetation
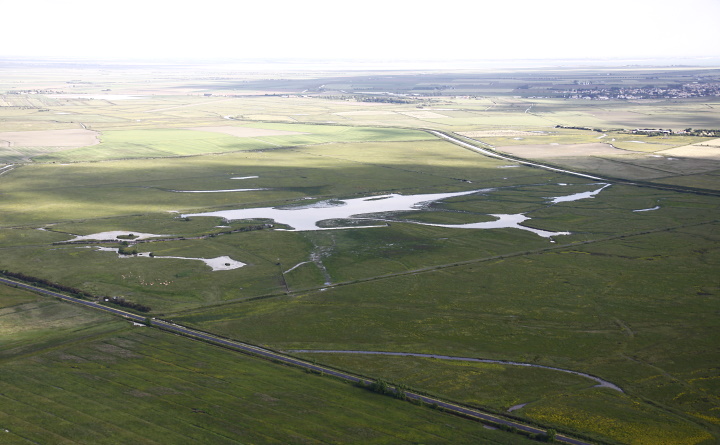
(625, 288)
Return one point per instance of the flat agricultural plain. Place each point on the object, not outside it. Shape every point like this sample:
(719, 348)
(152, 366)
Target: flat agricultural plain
(50, 138)
(613, 276)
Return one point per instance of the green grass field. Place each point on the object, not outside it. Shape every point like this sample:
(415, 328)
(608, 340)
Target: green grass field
(144, 386)
(158, 143)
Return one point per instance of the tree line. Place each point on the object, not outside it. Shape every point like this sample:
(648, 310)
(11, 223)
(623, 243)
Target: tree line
(47, 284)
(120, 301)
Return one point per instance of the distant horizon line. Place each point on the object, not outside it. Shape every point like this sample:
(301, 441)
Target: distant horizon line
(300, 63)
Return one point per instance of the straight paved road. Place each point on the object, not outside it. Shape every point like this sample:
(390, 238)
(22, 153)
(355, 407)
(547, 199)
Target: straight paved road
(272, 355)
(492, 153)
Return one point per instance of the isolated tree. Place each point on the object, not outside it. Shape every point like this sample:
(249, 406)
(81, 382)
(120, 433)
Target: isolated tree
(550, 435)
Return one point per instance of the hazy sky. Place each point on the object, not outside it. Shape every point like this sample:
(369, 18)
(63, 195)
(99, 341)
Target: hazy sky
(366, 29)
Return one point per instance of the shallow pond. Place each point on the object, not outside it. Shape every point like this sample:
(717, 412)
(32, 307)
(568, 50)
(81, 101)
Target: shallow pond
(106, 236)
(577, 196)
(647, 210)
(218, 263)
(307, 217)
(216, 191)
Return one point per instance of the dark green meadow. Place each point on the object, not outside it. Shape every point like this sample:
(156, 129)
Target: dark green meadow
(30, 324)
(144, 386)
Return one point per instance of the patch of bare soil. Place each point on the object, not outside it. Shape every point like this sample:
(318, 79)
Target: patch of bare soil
(72, 138)
(706, 150)
(714, 143)
(245, 132)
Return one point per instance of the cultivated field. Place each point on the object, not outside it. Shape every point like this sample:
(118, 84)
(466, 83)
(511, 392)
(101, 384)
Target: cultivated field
(618, 281)
(49, 138)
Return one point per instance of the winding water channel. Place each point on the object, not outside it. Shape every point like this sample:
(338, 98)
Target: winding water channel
(601, 382)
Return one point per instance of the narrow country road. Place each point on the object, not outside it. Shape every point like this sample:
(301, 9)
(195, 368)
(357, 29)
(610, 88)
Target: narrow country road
(286, 359)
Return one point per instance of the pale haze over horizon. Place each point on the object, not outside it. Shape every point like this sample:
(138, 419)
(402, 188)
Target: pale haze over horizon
(368, 30)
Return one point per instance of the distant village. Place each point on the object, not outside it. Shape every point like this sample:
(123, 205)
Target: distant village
(685, 91)
(652, 131)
